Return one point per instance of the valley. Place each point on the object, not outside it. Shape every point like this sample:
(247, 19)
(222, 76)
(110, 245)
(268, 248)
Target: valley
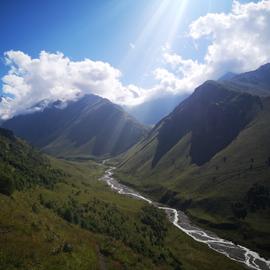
(210, 158)
(76, 222)
(135, 135)
(203, 170)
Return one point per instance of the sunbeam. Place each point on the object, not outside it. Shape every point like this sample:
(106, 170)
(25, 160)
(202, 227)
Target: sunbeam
(160, 31)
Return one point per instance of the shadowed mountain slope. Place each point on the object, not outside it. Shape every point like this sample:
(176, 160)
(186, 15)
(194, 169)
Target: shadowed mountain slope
(90, 126)
(213, 115)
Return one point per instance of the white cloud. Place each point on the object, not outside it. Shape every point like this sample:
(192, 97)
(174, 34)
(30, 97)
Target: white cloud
(239, 42)
(52, 76)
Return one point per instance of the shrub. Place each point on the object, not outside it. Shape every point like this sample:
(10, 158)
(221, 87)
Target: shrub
(67, 248)
(156, 219)
(239, 210)
(258, 197)
(7, 186)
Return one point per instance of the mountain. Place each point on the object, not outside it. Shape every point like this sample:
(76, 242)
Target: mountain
(211, 158)
(213, 115)
(209, 120)
(256, 82)
(89, 126)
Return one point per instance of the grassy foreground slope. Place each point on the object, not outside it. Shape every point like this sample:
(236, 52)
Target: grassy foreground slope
(229, 193)
(74, 221)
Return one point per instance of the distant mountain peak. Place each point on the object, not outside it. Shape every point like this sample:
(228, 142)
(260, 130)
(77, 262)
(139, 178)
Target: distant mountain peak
(89, 126)
(265, 67)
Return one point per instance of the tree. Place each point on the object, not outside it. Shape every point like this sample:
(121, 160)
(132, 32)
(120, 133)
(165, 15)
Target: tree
(7, 186)
(258, 197)
(156, 220)
(67, 247)
(239, 210)
(68, 215)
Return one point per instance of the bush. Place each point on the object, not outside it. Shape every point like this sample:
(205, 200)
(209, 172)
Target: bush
(22, 167)
(68, 215)
(6, 185)
(156, 219)
(239, 210)
(258, 197)
(67, 248)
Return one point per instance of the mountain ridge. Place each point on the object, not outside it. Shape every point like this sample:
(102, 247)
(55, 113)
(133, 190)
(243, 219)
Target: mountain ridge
(203, 105)
(255, 82)
(82, 127)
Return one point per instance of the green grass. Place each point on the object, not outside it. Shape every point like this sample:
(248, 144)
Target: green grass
(33, 235)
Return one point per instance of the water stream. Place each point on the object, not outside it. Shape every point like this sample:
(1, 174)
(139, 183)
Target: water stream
(235, 252)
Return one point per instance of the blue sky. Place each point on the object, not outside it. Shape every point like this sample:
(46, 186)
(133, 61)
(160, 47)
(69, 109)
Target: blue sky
(99, 30)
(129, 51)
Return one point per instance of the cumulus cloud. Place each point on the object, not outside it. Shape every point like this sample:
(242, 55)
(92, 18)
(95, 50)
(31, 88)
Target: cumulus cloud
(239, 42)
(52, 76)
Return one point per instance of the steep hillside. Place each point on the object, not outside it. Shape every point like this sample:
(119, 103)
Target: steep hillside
(211, 158)
(21, 166)
(213, 115)
(90, 126)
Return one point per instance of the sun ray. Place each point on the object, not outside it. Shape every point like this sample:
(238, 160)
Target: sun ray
(162, 28)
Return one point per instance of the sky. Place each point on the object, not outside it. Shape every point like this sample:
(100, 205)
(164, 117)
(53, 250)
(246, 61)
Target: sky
(125, 50)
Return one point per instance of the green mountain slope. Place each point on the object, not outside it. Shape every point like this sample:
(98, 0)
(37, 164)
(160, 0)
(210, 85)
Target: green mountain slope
(211, 158)
(90, 126)
(71, 220)
(21, 166)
